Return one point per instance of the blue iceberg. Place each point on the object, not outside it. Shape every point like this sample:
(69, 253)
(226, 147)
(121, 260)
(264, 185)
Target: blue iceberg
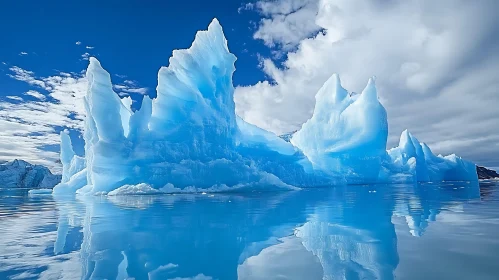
(189, 138)
(346, 136)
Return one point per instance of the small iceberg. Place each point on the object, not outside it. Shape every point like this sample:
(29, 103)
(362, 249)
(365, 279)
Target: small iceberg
(40, 192)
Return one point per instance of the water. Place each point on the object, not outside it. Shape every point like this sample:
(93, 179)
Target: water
(447, 231)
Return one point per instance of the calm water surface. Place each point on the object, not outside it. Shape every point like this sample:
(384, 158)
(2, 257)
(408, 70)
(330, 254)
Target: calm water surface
(446, 231)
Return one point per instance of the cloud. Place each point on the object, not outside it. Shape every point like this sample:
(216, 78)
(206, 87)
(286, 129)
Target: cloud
(89, 47)
(129, 86)
(129, 89)
(78, 43)
(28, 128)
(435, 63)
(23, 53)
(285, 22)
(35, 94)
(85, 56)
(247, 6)
(14, 98)
(130, 82)
(26, 76)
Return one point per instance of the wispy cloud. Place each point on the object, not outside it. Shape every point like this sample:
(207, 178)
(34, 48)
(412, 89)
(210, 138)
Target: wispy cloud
(26, 76)
(85, 56)
(35, 94)
(130, 82)
(89, 47)
(127, 88)
(23, 53)
(27, 128)
(13, 97)
(246, 6)
(78, 43)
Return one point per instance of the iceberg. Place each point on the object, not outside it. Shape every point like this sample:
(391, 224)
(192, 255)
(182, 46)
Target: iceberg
(74, 172)
(189, 137)
(415, 162)
(21, 174)
(347, 134)
(40, 192)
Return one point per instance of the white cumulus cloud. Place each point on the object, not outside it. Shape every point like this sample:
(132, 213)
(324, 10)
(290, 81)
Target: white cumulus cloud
(436, 64)
(285, 23)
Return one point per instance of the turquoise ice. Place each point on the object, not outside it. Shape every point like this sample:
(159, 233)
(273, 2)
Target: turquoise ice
(189, 138)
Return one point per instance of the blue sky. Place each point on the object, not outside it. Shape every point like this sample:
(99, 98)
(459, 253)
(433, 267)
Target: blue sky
(134, 38)
(436, 63)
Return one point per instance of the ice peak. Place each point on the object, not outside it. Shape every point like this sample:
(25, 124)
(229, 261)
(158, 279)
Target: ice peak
(214, 24)
(94, 66)
(102, 103)
(408, 135)
(405, 133)
(370, 94)
(214, 33)
(405, 138)
(332, 87)
(210, 41)
(336, 78)
(95, 73)
(67, 152)
(94, 61)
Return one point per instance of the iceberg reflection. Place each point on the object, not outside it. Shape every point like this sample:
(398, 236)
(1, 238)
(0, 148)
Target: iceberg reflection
(338, 233)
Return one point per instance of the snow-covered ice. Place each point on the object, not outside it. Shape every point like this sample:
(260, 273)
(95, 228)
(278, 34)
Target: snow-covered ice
(21, 174)
(189, 138)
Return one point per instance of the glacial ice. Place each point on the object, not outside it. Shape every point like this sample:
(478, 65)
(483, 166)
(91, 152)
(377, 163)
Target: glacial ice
(189, 138)
(21, 174)
(346, 136)
(415, 162)
(74, 172)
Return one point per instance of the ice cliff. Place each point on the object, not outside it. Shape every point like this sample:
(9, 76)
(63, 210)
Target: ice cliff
(189, 138)
(21, 174)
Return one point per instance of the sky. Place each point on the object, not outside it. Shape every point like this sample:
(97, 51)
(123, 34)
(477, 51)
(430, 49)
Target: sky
(436, 64)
